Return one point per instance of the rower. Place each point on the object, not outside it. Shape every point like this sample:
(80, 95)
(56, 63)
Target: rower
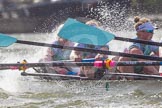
(56, 54)
(145, 31)
(88, 71)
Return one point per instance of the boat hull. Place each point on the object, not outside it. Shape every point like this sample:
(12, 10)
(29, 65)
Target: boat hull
(109, 76)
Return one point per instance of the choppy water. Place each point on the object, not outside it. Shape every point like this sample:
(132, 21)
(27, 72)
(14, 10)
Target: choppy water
(17, 91)
(83, 94)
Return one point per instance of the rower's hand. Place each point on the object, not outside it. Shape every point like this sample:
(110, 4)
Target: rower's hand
(66, 72)
(76, 56)
(50, 52)
(98, 57)
(101, 57)
(78, 59)
(62, 71)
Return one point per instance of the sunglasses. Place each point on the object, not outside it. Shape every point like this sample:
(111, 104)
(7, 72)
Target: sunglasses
(148, 31)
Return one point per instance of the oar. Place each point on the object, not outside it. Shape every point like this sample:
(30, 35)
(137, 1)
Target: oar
(126, 75)
(76, 64)
(134, 75)
(46, 64)
(53, 75)
(5, 67)
(5, 38)
(76, 31)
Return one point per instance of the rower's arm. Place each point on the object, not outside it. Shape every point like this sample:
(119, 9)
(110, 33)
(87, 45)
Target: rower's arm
(75, 55)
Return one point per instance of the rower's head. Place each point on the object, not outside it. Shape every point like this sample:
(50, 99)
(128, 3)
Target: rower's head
(144, 28)
(93, 23)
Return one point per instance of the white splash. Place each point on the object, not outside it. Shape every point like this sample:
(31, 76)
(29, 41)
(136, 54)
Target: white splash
(113, 16)
(9, 81)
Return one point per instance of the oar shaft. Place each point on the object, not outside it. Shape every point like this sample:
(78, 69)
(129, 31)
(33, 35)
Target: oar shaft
(91, 50)
(139, 63)
(116, 38)
(5, 67)
(76, 64)
(127, 75)
(138, 41)
(49, 64)
(135, 75)
(53, 75)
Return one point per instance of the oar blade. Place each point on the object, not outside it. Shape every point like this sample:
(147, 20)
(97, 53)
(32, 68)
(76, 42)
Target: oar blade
(6, 40)
(76, 31)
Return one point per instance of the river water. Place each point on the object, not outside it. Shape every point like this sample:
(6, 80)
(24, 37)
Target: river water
(18, 91)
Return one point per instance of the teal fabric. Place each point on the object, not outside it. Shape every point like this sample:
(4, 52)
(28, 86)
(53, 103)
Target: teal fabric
(138, 69)
(88, 54)
(76, 31)
(6, 40)
(60, 54)
(146, 49)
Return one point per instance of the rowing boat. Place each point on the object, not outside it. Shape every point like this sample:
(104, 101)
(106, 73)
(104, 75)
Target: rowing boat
(6, 41)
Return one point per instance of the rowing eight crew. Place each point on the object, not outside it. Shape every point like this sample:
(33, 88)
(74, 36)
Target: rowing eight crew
(144, 30)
